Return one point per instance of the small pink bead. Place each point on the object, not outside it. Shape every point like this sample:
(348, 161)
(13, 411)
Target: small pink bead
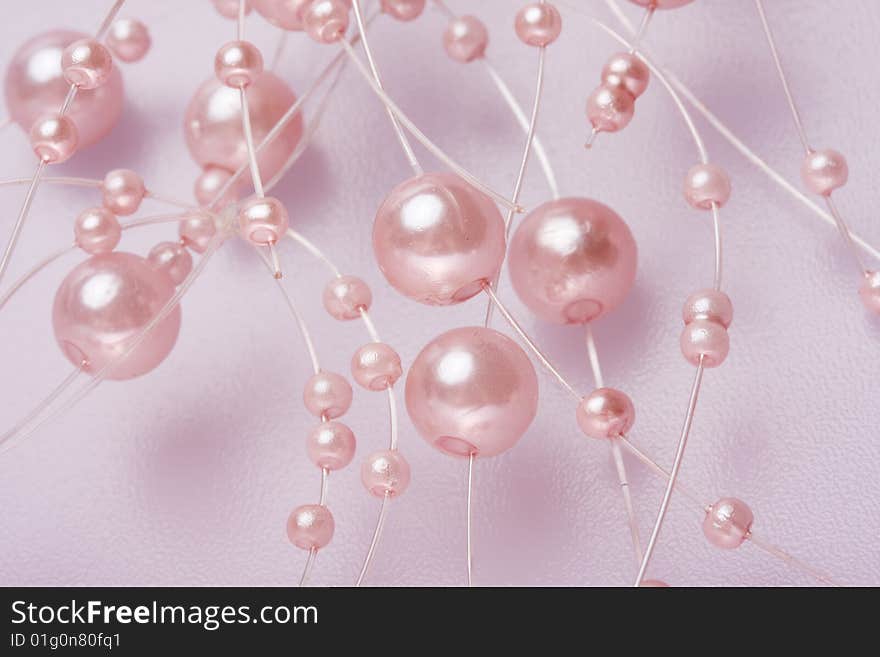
(173, 259)
(538, 24)
(376, 366)
(628, 72)
(870, 291)
(326, 21)
(286, 14)
(728, 523)
(653, 584)
(238, 63)
(610, 108)
(466, 38)
(709, 304)
(87, 63)
(345, 296)
(196, 231)
(386, 473)
(129, 39)
(310, 526)
(230, 8)
(208, 185)
(824, 171)
(123, 192)
(707, 339)
(403, 10)
(54, 138)
(97, 230)
(327, 395)
(263, 221)
(606, 413)
(662, 4)
(706, 184)
(331, 445)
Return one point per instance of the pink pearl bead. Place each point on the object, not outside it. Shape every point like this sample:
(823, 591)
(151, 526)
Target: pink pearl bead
(538, 24)
(403, 10)
(230, 8)
(196, 231)
(662, 4)
(129, 39)
(35, 86)
(54, 138)
(386, 473)
(610, 108)
(728, 523)
(472, 391)
(709, 304)
(376, 366)
(173, 259)
(824, 171)
(326, 21)
(310, 526)
(627, 72)
(327, 395)
(103, 304)
(208, 185)
(263, 220)
(606, 413)
(438, 240)
(286, 14)
(870, 292)
(123, 191)
(707, 339)
(238, 63)
(706, 184)
(213, 127)
(572, 260)
(331, 445)
(653, 584)
(97, 230)
(86, 63)
(465, 39)
(345, 296)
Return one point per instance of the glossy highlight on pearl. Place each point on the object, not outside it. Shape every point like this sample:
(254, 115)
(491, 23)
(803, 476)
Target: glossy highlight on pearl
(86, 63)
(386, 472)
(128, 39)
(471, 391)
(123, 190)
(728, 523)
(331, 445)
(606, 413)
(345, 297)
(97, 230)
(310, 526)
(327, 395)
(376, 366)
(466, 39)
(538, 24)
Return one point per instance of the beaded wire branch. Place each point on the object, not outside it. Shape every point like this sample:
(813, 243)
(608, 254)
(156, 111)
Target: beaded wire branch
(439, 239)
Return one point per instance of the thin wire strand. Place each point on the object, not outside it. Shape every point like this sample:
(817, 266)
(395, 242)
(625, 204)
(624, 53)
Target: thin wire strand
(365, 44)
(242, 7)
(845, 233)
(523, 166)
(249, 141)
(314, 250)
(771, 42)
(300, 322)
(719, 254)
(105, 24)
(593, 356)
(310, 561)
(530, 343)
(47, 180)
(43, 405)
(658, 470)
(643, 28)
(470, 495)
(377, 533)
(33, 271)
(279, 50)
(673, 475)
(22, 217)
(422, 138)
(779, 553)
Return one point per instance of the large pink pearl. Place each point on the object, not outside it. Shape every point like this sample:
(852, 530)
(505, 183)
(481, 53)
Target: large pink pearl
(376, 366)
(87, 63)
(403, 10)
(35, 86)
(103, 304)
(538, 24)
(310, 526)
(386, 473)
(123, 191)
(662, 4)
(610, 109)
(870, 292)
(466, 38)
(286, 14)
(472, 391)
(572, 260)
(97, 230)
(331, 445)
(129, 39)
(728, 523)
(438, 240)
(327, 395)
(824, 171)
(213, 128)
(606, 413)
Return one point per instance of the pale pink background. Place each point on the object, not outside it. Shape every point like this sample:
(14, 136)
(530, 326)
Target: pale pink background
(186, 476)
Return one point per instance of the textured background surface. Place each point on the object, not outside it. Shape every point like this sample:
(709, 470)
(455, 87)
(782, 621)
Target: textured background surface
(186, 476)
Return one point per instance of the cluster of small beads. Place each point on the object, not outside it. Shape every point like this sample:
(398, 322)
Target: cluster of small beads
(612, 104)
(376, 367)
